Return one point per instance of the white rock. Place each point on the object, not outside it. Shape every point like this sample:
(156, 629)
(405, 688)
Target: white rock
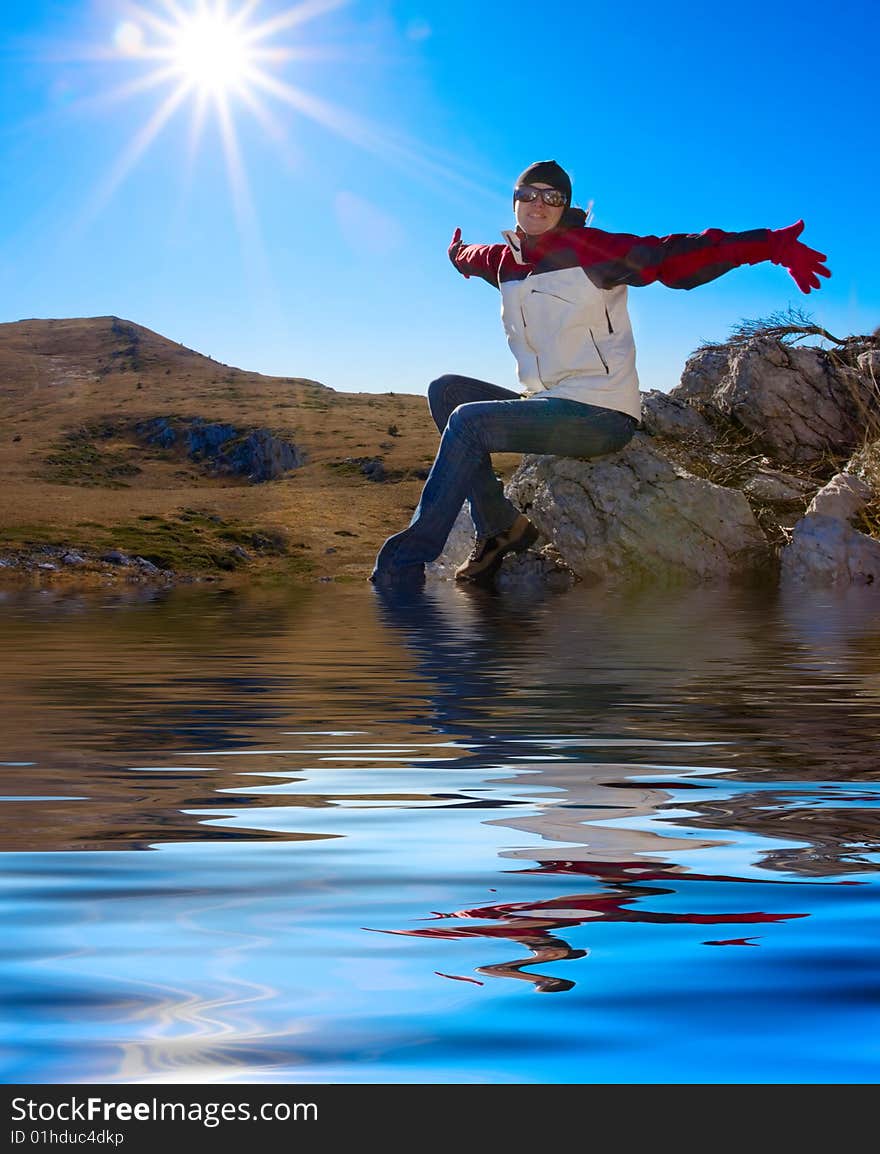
(635, 514)
(827, 550)
(843, 497)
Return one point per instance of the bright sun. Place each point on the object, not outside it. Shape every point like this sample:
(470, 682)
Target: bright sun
(216, 56)
(202, 45)
(207, 48)
(210, 50)
(228, 59)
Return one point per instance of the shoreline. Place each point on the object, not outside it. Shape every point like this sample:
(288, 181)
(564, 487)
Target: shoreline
(43, 570)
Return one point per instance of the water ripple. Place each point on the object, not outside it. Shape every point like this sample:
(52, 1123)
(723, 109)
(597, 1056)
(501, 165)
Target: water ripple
(336, 837)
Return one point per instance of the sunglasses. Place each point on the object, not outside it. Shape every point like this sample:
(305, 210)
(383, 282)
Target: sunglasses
(552, 197)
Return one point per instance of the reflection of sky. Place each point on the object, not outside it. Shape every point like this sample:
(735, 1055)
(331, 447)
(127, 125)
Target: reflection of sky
(441, 821)
(257, 963)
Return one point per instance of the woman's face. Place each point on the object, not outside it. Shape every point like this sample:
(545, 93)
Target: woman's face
(535, 217)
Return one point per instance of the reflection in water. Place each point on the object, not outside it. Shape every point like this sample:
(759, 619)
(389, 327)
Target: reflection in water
(599, 806)
(358, 808)
(532, 924)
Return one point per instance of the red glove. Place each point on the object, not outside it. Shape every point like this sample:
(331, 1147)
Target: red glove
(454, 246)
(802, 262)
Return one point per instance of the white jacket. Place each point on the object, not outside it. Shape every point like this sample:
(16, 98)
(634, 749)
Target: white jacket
(572, 339)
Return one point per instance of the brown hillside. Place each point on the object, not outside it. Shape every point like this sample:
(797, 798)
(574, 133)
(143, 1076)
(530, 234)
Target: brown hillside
(76, 474)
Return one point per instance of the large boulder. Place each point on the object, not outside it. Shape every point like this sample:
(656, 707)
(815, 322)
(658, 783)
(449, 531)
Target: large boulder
(799, 404)
(636, 514)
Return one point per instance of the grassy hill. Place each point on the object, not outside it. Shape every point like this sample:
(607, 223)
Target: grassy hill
(77, 475)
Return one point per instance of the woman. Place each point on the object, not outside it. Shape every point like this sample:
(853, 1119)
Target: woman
(563, 304)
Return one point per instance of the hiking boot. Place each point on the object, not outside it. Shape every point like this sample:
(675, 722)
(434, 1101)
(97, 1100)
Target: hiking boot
(488, 553)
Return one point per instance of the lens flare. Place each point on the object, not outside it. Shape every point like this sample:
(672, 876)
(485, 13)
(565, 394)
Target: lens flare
(129, 38)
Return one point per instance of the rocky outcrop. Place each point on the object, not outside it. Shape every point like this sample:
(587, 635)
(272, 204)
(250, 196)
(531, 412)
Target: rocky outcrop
(754, 466)
(105, 567)
(825, 547)
(799, 404)
(256, 454)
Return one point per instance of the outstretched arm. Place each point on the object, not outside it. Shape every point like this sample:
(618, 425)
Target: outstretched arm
(681, 260)
(480, 260)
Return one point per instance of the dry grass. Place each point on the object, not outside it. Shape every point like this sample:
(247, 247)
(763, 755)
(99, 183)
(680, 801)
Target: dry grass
(866, 464)
(71, 390)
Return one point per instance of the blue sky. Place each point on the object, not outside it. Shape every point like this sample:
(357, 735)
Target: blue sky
(310, 239)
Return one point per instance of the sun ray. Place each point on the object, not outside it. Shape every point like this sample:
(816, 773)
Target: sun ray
(197, 124)
(282, 55)
(180, 219)
(174, 10)
(143, 83)
(301, 14)
(251, 242)
(165, 28)
(242, 16)
(365, 135)
(231, 152)
(136, 149)
(264, 115)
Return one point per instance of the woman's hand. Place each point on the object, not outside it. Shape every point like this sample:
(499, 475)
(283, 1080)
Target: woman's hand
(805, 264)
(454, 246)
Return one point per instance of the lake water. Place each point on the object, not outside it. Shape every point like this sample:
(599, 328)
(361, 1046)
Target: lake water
(319, 836)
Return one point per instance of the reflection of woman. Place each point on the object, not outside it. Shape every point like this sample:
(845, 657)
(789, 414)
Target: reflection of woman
(597, 823)
(563, 288)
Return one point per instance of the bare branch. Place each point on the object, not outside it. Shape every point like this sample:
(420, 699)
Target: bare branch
(791, 325)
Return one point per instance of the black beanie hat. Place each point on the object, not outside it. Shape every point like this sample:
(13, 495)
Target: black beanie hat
(548, 172)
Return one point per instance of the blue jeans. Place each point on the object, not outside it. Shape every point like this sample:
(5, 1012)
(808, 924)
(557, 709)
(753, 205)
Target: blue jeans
(478, 419)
